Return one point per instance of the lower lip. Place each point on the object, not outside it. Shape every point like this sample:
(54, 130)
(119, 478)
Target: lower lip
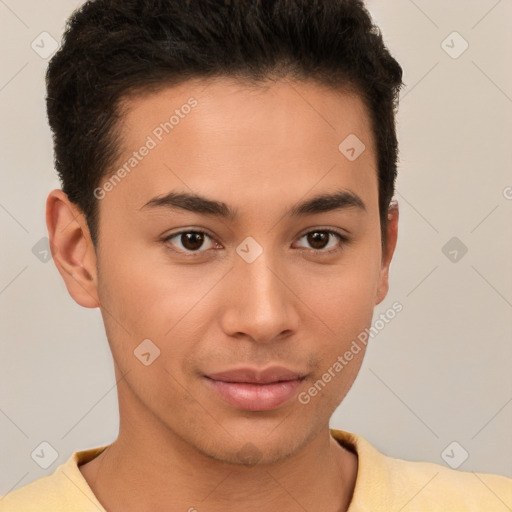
(256, 397)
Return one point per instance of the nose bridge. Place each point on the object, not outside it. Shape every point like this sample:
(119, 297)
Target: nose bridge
(262, 305)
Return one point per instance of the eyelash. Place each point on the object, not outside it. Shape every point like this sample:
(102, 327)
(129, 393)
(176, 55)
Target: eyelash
(341, 238)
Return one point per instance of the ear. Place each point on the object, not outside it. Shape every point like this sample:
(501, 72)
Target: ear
(388, 251)
(72, 249)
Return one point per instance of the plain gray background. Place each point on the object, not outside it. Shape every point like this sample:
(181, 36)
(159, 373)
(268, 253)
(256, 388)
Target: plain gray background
(436, 374)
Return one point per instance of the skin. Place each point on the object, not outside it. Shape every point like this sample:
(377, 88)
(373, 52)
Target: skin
(259, 150)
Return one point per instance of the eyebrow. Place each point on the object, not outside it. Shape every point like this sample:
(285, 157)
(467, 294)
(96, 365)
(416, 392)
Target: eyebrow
(339, 200)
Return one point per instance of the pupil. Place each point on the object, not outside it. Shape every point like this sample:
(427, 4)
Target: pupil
(192, 241)
(317, 236)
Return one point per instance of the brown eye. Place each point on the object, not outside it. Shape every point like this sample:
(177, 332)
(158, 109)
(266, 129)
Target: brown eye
(192, 241)
(318, 240)
(189, 241)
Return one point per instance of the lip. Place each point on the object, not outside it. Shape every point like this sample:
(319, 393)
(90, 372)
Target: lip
(256, 390)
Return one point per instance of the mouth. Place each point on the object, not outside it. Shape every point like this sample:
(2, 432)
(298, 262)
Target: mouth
(256, 390)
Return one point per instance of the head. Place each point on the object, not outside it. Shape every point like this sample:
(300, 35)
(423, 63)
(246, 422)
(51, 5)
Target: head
(260, 108)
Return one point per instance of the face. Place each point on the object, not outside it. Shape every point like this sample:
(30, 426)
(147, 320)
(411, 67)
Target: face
(224, 301)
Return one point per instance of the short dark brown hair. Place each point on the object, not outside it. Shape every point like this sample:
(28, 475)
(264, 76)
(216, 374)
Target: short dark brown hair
(115, 47)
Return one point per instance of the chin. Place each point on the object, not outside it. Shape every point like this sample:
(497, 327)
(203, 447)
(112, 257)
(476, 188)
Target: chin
(260, 449)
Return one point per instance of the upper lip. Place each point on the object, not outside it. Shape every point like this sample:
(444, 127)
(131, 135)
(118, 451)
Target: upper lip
(255, 376)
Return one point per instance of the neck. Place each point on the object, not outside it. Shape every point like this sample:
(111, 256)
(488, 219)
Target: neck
(149, 467)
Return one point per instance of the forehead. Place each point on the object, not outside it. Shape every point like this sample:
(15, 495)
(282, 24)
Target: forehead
(278, 139)
(223, 105)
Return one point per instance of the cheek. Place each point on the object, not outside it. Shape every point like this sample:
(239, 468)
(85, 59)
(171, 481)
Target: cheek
(344, 298)
(144, 297)
(341, 348)
(343, 301)
(146, 325)
(147, 295)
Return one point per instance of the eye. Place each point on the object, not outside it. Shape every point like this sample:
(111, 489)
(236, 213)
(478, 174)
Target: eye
(190, 241)
(319, 239)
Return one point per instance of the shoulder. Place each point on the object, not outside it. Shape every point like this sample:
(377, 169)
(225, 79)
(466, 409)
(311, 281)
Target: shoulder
(36, 496)
(62, 491)
(430, 485)
(389, 483)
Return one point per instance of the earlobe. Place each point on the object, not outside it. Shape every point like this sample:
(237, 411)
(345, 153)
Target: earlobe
(388, 251)
(72, 248)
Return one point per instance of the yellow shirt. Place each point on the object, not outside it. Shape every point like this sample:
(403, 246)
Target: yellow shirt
(383, 484)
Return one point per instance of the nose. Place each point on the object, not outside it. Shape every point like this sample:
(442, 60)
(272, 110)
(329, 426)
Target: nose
(261, 305)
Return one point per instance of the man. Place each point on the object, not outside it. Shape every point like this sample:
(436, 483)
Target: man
(227, 171)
